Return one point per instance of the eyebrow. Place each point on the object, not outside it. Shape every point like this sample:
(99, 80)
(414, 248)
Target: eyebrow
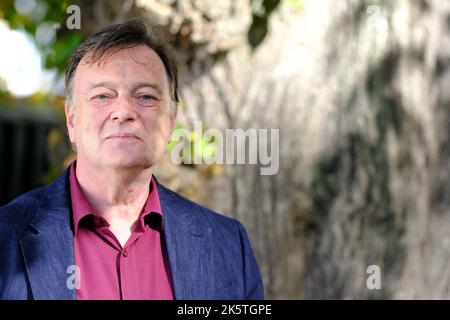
(109, 84)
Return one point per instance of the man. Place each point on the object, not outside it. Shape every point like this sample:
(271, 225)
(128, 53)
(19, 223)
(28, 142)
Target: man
(107, 229)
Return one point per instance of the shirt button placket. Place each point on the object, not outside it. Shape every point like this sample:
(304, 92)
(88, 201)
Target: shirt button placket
(122, 272)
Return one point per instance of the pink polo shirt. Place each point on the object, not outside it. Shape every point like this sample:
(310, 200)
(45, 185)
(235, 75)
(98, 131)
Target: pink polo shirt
(139, 270)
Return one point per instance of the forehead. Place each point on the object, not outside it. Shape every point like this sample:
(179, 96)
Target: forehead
(136, 63)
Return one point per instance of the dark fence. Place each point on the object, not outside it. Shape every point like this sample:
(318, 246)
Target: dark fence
(23, 149)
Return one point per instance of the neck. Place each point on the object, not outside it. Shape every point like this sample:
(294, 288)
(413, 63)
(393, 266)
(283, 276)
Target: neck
(114, 193)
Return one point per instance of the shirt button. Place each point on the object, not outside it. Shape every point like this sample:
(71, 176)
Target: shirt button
(125, 253)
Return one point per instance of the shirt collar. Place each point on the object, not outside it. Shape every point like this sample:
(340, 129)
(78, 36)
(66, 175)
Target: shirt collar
(81, 208)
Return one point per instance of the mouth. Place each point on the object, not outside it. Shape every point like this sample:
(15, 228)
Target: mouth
(123, 136)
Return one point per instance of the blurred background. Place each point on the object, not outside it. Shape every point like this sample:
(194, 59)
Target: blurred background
(359, 90)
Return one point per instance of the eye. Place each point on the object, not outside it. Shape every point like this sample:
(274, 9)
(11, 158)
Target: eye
(147, 100)
(146, 97)
(101, 97)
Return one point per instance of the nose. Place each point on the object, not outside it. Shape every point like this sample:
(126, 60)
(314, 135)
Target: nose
(123, 111)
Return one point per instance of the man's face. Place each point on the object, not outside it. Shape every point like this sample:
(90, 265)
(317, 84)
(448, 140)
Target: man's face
(122, 115)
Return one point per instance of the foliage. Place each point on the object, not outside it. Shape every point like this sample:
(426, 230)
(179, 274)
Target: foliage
(47, 16)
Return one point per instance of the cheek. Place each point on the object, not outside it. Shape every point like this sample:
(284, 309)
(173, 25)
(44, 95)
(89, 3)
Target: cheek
(88, 127)
(156, 133)
(157, 124)
(164, 128)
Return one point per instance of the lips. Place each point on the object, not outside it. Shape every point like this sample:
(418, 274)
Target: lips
(123, 136)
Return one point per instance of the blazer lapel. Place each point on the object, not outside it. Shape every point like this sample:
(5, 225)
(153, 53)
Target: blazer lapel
(47, 246)
(189, 248)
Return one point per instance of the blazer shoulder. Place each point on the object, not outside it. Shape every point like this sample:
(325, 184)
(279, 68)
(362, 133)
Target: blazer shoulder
(19, 212)
(26, 205)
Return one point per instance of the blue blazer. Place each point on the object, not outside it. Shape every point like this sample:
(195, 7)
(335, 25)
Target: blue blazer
(209, 254)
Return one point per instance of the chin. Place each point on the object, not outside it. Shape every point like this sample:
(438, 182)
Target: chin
(126, 162)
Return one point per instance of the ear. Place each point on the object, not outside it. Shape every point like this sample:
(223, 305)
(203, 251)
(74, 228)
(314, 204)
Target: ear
(70, 121)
